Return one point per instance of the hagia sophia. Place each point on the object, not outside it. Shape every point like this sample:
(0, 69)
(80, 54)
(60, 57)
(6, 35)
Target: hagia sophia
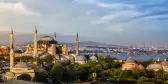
(46, 45)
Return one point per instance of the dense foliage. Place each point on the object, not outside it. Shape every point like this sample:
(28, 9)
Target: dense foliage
(106, 69)
(25, 77)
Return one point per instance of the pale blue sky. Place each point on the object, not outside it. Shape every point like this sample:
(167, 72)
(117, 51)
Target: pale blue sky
(122, 22)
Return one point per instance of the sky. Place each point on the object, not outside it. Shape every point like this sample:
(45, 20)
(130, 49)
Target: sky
(121, 22)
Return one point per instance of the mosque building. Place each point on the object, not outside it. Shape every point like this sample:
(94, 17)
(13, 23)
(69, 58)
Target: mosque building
(159, 66)
(130, 64)
(46, 45)
(18, 69)
(165, 65)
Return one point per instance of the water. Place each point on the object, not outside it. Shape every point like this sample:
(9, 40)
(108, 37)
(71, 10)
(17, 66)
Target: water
(124, 56)
(139, 57)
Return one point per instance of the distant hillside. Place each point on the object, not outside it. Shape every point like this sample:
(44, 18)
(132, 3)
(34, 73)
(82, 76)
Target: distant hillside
(27, 38)
(93, 44)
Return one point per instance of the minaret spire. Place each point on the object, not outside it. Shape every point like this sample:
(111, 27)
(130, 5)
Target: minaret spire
(11, 39)
(35, 43)
(77, 44)
(11, 49)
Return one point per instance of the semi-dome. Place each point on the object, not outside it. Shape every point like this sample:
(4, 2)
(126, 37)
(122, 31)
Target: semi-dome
(80, 58)
(155, 67)
(129, 60)
(9, 74)
(21, 65)
(47, 40)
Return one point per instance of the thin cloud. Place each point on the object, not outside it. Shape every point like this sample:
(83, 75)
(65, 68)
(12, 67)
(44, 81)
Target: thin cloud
(121, 21)
(17, 8)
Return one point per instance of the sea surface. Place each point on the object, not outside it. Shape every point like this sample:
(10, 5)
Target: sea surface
(124, 56)
(139, 57)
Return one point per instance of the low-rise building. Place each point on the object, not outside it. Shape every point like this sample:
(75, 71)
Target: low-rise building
(130, 64)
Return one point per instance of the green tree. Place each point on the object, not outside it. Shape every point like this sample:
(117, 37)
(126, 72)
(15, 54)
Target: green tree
(114, 74)
(101, 58)
(166, 82)
(41, 76)
(48, 59)
(56, 73)
(25, 77)
(149, 73)
(138, 74)
(141, 80)
(68, 74)
(116, 65)
(127, 75)
(161, 75)
(146, 63)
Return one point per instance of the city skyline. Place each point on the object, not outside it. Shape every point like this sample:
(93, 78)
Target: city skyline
(123, 22)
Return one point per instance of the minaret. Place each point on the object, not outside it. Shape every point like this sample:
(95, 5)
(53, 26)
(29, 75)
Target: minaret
(35, 43)
(158, 59)
(55, 36)
(77, 45)
(11, 50)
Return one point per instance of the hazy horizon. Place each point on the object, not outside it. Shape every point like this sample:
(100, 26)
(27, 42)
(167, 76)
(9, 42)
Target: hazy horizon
(106, 21)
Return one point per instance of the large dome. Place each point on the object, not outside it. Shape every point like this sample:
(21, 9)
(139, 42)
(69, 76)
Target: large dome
(155, 67)
(47, 40)
(21, 65)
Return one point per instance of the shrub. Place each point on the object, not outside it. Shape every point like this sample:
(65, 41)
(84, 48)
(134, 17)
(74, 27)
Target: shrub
(25, 77)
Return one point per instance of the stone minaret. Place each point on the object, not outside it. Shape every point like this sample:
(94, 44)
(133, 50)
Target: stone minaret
(55, 36)
(77, 45)
(11, 49)
(35, 43)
